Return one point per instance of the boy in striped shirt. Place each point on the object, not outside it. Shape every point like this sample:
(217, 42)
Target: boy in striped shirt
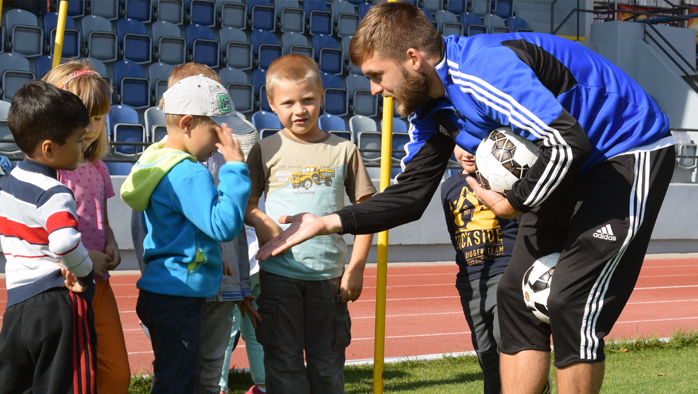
(47, 342)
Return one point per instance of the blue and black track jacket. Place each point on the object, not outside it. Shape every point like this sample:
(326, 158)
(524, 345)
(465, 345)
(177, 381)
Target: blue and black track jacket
(578, 107)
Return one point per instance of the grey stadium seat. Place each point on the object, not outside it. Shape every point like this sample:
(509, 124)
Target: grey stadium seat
(98, 39)
(237, 48)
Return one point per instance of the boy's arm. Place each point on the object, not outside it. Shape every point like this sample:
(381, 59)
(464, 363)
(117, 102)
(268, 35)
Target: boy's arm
(264, 226)
(353, 279)
(111, 247)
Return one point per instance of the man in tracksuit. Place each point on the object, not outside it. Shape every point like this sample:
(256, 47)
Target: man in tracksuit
(606, 158)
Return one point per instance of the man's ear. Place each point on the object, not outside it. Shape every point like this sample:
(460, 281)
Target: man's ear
(185, 123)
(413, 59)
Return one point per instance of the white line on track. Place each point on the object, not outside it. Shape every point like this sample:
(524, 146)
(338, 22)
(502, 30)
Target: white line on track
(657, 320)
(665, 287)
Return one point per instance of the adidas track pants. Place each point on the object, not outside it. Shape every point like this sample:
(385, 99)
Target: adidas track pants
(601, 223)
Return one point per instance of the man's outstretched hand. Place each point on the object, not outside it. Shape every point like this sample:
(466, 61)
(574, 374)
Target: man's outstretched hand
(303, 227)
(496, 202)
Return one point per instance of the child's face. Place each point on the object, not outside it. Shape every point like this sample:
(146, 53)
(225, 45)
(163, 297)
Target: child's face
(465, 159)
(97, 126)
(202, 141)
(298, 108)
(69, 155)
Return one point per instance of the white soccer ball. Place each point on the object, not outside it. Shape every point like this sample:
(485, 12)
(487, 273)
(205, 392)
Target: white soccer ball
(503, 158)
(536, 286)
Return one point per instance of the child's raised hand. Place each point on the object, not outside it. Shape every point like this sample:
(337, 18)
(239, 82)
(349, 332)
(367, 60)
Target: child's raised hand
(71, 282)
(112, 249)
(228, 145)
(247, 307)
(100, 262)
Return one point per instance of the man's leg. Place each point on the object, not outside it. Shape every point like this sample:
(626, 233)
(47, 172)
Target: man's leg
(580, 378)
(525, 372)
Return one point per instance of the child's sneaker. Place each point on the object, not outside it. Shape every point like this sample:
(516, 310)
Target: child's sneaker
(254, 390)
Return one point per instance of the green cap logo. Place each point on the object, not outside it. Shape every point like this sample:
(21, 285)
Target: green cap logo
(224, 103)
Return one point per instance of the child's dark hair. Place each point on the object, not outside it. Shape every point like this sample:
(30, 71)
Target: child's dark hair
(41, 111)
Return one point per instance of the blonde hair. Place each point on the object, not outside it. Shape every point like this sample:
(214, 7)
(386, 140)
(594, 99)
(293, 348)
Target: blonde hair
(295, 68)
(80, 78)
(390, 29)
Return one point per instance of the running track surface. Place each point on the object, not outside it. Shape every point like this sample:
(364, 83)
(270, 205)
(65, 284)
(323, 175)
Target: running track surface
(424, 314)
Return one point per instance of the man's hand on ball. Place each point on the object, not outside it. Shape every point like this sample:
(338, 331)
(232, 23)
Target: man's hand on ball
(496, 202)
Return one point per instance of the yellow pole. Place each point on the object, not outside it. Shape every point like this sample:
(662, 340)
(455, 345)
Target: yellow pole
(382, 274)
(60, 32)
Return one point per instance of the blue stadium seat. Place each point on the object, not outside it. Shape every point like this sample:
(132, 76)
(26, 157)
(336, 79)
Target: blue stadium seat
(233, 13)
(237, 49)
(335, 101)
(169, 11)
(259, 87)
(107, 9)
(330, 58)
(400, 139)
(296, 43)
(76, 8)
(504, 8)
(346, 42)
(399, 125)
(130, 85)
(480, 7)
(202, 12)
(472, 24)
(265, 48)
(136, 44)
(158, 74)
(23, 33)
(239, 89)
(2, 39)
(335, 125)
(431, 17)
(518, 24)
(495, 24)
(170, 47)
(119, 168)
(263, 100)
(345, 17)
(362, 101)
(267, 123)
(43, 65)
(262, 15)
(318, 18)
(448, 23)
(14, 71)
(99, 41)
(363, 9)
(289, 16)
(71, 37)
(140, 10)
(120, 114)
(123, 126)
(456, 6)
(202, 45)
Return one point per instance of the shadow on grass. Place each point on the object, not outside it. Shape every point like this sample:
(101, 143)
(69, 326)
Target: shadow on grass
(358, 380)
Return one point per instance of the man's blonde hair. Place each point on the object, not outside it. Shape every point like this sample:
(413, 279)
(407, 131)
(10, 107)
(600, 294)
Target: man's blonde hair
(295, 68)
(93, 92)
(390, 29)
(177, 74)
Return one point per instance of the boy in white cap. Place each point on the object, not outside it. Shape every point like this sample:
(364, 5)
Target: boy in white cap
(186, 217)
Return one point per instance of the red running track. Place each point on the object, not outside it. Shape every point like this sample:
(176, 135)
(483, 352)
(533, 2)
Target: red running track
(424, 314)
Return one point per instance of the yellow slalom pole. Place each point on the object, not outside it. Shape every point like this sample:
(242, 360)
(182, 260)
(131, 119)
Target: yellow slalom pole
(382, 274)
(60, 32)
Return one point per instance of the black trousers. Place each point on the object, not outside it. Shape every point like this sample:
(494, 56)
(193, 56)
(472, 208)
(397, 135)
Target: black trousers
(601, 224)
(47, 345)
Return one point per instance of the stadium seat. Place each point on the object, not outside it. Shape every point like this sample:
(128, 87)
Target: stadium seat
(335, 125)
(4, 109)
(346, 19)
(140, 10)
(120, 114)
(170, 47)
(399, 141)
(158, 74)
(517, 24)
(267, 123)
(107, 9)
(43, 65)
(363, 9)
(14, 71)
(290, 16)
(456, 7)
(202, 12)
(504, 8)
(448, 23)
(169, 11)
(259, 88)
(263, 100)
(318, 18)
(123, 126)
(369, 144)
(472, 24)
(480, 7)
(358, 123)
(8, 148)
(119, 168)
(335, 101)
(239, 89)
(136, 44)
(130, 85)
(99, 41)
(495, 24)
(296, 43)
(346, 42)
(102, 70)
(233, 13)
(238, 51)
(265, 49)
(430, 15)
(399, 125)
(362, 101)
(23, 33)
(262, 15)
(2, 39)
(432, 5)
(202, 45)
(330, 58)
(153, 118)
(71, 37)
(76, 8)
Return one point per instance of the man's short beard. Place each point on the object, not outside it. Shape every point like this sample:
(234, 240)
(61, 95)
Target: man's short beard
(412, 92)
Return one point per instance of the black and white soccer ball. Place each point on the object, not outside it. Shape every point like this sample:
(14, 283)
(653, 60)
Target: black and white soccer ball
(503, 158)
(536, 286)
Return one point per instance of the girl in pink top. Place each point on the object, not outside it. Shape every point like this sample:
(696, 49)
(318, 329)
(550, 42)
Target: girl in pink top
(92, 186)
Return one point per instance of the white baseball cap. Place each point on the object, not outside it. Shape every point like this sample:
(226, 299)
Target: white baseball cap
(203, 96)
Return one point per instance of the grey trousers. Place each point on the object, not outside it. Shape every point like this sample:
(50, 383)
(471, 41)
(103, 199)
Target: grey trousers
(300, 315)
(215, 335)
(479, 300)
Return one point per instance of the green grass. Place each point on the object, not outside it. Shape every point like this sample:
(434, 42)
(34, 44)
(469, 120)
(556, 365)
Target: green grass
(632, 366)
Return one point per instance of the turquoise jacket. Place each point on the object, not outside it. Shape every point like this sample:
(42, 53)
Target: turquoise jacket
(185, 217)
